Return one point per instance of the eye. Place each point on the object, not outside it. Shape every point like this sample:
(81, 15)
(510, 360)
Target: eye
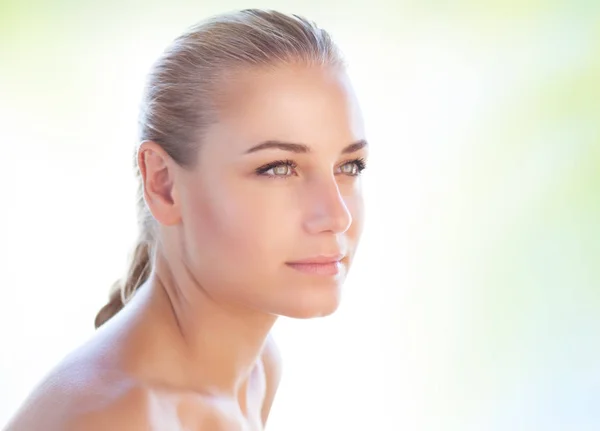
(349, 169)
(278, 169)
(353, 168)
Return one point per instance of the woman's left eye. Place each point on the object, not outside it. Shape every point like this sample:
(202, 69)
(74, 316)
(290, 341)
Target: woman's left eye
(349, 169)
(353, 168)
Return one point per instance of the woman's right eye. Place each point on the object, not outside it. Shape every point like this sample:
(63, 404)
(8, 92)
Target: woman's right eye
(278, 169)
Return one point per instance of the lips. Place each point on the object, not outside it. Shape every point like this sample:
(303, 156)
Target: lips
(319, 265)
(322, 259)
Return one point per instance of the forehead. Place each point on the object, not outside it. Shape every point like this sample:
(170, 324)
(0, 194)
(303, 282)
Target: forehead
(311, 105)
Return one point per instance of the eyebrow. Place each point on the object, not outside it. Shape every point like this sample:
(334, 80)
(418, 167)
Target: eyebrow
(301, 148)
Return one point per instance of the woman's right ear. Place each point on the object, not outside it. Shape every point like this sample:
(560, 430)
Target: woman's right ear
(157, 179)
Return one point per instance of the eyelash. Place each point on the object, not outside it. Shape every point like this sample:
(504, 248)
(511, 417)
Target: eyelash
(359, 162)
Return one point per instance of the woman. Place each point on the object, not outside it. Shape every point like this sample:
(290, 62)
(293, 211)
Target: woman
(250, 207)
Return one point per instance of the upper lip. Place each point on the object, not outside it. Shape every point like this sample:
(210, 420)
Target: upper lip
(330, 258)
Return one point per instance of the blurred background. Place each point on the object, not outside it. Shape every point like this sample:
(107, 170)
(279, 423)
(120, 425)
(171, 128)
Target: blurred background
(474, 302)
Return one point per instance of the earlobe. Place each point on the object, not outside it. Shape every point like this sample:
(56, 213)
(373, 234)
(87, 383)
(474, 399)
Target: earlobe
(157, 176)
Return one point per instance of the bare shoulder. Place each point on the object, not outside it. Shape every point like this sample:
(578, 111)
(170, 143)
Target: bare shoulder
(126, 409)
(272, 365)
(84, 398)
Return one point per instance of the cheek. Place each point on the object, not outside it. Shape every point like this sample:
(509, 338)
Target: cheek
(233, 228)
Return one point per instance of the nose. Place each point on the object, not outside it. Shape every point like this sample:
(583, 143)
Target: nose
(328, 211)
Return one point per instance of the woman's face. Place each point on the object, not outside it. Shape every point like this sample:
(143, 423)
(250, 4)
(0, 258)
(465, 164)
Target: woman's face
(278, 183)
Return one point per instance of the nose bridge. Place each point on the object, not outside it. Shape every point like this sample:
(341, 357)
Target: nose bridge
(328, 210)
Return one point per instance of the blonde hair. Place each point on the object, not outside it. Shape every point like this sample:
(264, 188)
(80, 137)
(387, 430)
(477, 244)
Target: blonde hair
(180, 100)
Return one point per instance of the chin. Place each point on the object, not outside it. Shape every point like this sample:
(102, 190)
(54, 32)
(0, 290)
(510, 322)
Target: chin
(309, 313)
(321, 304)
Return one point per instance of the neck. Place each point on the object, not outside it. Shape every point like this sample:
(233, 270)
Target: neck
(207, 345)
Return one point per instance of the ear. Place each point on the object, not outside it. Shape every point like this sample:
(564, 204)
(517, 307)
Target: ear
(157, 170)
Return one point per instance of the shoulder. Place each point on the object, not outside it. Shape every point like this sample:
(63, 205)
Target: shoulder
(126, 408)
(84, 399)
(272, 365)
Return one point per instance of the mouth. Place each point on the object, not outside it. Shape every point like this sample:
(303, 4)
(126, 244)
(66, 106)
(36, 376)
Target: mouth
(320, 265)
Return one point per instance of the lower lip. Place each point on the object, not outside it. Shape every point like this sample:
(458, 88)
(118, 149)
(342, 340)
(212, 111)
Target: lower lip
(331, 268)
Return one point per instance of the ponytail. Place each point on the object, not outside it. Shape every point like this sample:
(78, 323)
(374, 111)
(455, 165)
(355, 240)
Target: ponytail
(123, 290)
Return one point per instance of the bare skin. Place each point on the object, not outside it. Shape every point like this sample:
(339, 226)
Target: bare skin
(192, 350)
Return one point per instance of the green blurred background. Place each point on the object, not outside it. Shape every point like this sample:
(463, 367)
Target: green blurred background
(475, 300)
